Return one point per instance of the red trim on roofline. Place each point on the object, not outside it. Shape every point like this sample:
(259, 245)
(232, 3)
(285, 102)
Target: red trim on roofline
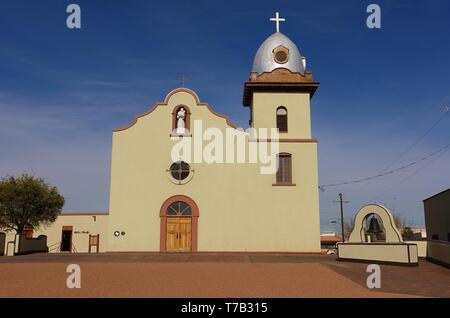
(165, 103)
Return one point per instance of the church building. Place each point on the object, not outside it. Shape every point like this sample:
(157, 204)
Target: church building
(159, 203)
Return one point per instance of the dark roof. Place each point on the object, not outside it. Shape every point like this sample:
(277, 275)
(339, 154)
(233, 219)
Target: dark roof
(440, 193)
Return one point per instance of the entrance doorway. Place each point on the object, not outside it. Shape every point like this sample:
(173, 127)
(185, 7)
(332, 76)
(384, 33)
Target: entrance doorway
(179, 219)
(179, 234)
(66, 239)
(28, 233)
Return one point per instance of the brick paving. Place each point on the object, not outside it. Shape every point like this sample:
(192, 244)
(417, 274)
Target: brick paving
(213, 275)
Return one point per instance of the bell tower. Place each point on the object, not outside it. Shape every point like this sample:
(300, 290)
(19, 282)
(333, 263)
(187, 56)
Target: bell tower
(278, 92)
(279, 85)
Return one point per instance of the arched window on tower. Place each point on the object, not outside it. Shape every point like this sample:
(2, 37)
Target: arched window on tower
(282, 119)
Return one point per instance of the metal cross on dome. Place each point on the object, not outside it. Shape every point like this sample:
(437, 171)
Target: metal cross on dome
(277, 20)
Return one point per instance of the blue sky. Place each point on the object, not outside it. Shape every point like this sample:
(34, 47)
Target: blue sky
(63, 91)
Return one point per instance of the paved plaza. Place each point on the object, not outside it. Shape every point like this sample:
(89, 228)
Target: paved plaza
(213, 275)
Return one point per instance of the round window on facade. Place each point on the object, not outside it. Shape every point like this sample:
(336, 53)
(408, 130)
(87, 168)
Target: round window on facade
(180, 170)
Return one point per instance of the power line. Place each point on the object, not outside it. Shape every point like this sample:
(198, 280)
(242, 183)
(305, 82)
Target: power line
(409, 176)
(322, 187)
(408, 149)
(445, 114)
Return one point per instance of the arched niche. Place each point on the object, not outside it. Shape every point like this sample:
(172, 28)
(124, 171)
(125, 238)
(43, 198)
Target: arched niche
(393, 235)
(187, 119)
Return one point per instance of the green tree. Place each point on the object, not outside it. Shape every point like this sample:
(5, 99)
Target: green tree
(27, 201)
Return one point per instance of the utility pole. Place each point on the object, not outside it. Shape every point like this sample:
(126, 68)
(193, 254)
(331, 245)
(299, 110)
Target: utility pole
(341, 201)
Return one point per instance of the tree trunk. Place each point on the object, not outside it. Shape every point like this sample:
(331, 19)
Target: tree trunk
(20, 229)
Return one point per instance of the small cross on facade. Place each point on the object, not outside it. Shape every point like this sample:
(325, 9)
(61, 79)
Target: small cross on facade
(183, 79)
(277, 20)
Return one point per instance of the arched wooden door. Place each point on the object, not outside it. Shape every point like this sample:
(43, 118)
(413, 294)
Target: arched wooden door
(179, 216)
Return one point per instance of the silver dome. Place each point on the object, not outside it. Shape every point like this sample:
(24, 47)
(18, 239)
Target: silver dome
(264, 61)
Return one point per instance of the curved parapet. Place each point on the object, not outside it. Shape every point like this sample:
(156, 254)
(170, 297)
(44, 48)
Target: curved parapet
(180, 96)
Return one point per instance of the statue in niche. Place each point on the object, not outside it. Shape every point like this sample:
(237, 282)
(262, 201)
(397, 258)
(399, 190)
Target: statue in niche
(181, 116)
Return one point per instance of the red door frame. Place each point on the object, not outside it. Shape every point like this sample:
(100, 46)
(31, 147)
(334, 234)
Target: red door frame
(194, 219)
(67, 229)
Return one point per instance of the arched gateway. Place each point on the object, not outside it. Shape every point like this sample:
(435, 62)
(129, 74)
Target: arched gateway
(179, 224)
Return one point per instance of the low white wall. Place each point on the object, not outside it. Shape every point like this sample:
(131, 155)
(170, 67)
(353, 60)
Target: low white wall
(394, 253)
(439, 251)
(10, 248)
(421, 247)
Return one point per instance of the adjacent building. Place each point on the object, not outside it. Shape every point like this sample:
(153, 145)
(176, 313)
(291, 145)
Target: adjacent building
(329, 240)
(437, 222)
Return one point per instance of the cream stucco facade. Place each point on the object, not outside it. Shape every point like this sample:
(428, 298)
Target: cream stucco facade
(240, 209)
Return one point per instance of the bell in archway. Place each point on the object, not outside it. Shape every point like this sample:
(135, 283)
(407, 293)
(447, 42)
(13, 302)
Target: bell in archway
(374, 226)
